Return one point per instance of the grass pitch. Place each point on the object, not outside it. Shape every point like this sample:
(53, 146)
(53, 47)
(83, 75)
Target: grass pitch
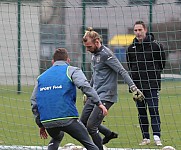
(17, 126)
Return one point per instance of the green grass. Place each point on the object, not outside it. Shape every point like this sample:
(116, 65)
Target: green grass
(17, 126)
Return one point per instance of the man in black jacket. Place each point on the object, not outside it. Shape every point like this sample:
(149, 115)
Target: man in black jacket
(146, 60)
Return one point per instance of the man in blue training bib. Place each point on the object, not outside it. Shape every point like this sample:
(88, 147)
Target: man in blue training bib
(53, 102)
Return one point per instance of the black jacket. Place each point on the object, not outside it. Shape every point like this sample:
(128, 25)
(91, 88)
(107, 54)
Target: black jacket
(145, 61)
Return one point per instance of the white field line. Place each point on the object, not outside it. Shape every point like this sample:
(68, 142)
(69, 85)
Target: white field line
(45, 148)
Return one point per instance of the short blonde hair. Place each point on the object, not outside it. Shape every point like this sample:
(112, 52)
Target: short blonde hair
(93, 35)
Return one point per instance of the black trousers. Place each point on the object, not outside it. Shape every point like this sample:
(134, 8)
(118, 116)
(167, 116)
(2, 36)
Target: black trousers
(151, 102)
(76, 130)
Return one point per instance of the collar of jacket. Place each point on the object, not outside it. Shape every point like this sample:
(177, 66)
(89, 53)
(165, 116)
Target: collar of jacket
(98, 50)
(60, 62)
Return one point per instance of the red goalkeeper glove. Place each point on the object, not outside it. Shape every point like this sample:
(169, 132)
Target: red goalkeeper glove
(43, 133)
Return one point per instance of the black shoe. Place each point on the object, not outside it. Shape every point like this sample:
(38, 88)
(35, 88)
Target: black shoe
(107, 139)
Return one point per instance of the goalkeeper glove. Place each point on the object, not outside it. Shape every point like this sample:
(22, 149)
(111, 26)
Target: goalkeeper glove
(137, 94)
(43, 133)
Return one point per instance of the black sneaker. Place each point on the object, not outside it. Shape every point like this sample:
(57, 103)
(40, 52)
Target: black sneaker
(107, 139)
